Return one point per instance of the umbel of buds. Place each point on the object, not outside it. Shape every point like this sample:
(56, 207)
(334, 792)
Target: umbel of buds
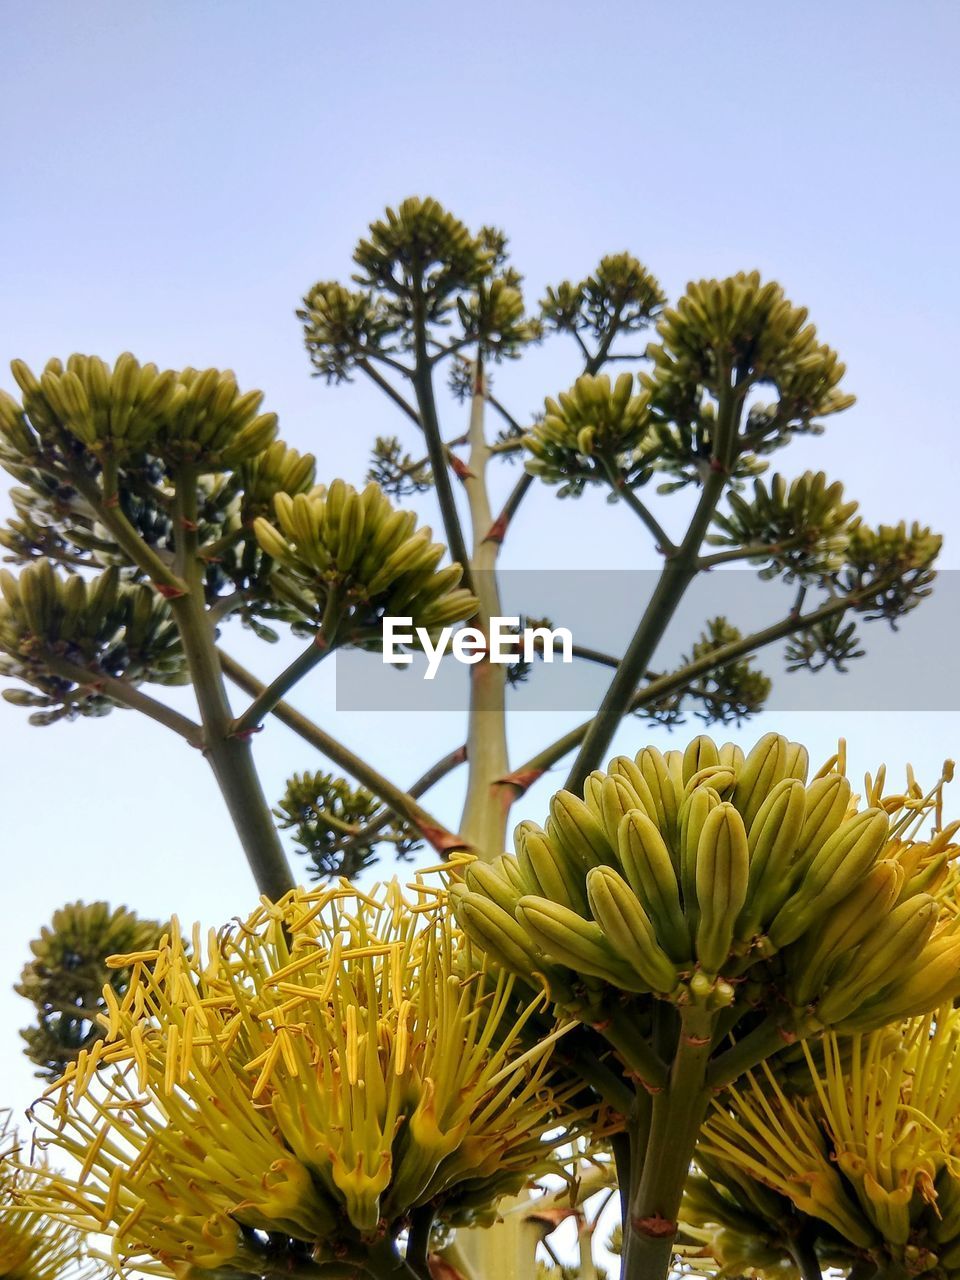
(368, 557)
(706, 877)
(701, 909)
(192, 417)
(317, 1072)
(801, 530)
(65, 977)
(740, 326)
(52, 626)
(592, 423)
(335, 825)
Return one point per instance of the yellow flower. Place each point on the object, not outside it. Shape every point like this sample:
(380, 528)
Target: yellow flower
(317, 1070)
(32, 1246)
(866, 1141)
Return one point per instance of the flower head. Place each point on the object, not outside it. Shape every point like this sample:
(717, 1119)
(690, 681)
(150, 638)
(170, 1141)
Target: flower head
(706, 878)
(317, 1070)
(189, 417)
(356, 547)
(32, 1246)
(861, 1147)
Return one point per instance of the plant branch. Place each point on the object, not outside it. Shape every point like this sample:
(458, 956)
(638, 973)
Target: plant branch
(766, 1039)
(126, 536)
(320, 647)
(423, 784)
(484, 818)
(804, 1255)
(127, 695)
(418, 1241)
(506, 415)
(665, 543)
(422, 378)
(677, 574)
(498, 529)
(677, 1114)
(376, 376)
(671, 683)
(399, 801)
(382, 1262)
(754, 551)
(230, 757)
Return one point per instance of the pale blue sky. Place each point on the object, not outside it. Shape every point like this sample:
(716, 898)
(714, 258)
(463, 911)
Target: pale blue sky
(175, 175)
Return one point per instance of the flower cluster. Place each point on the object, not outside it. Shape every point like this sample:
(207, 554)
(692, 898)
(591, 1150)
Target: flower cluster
(856, 1153)
(706, 878)
(315, 1072)
(368, 558)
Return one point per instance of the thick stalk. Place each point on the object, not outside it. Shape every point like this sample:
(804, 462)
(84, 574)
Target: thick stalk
(418, 1242)
(229, 756)
(384, 1263)
(488, 800)
(677, 1114)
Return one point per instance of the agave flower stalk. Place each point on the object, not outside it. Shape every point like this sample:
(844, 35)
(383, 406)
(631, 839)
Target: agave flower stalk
(319, 1075)
(701, 909)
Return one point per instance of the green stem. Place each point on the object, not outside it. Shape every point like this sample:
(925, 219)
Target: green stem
(322, 645)
(667, 684)
(384, 1263)
(433, 775)
(677, 1114)
(374, 374)
(678, 572)
(418, 1241)
(755, 551)
(498, 529)
(804, 1255)
(615, 1091)
(126, 536)
(230, 757)
(674, 579)
(621, 1145)
(639, 1056)
(766, 1039)
(663, 541)
(399, 801)
(422, 378)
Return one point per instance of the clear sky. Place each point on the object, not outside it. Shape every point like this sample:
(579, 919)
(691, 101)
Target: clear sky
(176, 175)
